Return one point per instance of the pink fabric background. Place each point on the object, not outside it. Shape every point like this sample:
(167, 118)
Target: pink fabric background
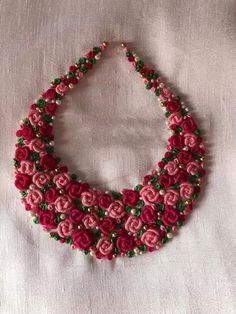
(111, 131)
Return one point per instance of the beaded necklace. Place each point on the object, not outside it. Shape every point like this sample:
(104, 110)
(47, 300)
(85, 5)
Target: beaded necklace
(108, 224)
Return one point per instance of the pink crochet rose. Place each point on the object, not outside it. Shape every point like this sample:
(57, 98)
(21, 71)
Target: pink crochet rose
(89, 198)
(61, 180)
(26, 167)
(65, 228)
(175, 118)
(133, 224)
(193, 168)
(171, 197)
(172, 168)
(190, 139)
(63, 204)
(150, 237)
(186, 190)
(149, 194)
(104, 245)
(61, 89)
(34, 197)
(34, 117)
(40, 179)
(37, 145)
(116, 210)
(90, 220)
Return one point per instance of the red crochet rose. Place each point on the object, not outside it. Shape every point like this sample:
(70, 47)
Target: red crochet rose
(184, 157)
(50, 109)
(165, 180)
(76, 215)
(130, 197)
(74, 189)
(22, 181)
(104, 201)
(22, 153)
(49, 94)
(51, 195)
(170, 217)
(46, 219)
(107, 225)
(46, 130)
(188, 125)
(176, 141)
(148, 214)
(173, 106)
(82, 240)
(124, 243)
(48, 162)
(181, 176)
(27, 133)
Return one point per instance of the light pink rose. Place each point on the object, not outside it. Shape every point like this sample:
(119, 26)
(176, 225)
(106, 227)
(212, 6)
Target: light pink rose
(104, 245)
(34, 197)
(40, 179)
(171, 197)
(190, 139)
(165, 94)
(186, 190)
(89, 198)
(26, 167)
(175, 118)
(65, 228)
(34, 117)
(150, 237)
(90, 220)
(192, 168)
(133, 224)
(116, 210)
(172, 168)
(63, 204)
(61, 89)
(149, 194)
(61, 180)
(37, 145)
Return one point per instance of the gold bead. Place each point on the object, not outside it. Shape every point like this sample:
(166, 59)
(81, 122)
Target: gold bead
(123, 45)
(104, 44)
(61, 191)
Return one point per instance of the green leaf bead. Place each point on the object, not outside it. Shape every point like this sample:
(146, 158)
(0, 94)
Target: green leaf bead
(82, 60)
(149, 85)
(96, 49)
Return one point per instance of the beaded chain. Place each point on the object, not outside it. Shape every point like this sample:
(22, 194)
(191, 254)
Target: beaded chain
(108, 224)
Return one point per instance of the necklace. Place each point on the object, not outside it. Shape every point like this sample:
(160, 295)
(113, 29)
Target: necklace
(108, 224)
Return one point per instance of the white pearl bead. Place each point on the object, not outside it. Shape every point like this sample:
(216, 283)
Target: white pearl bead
(62, 216)
(162, 192)
(133, 211)
(58, 102)
(52, 143)
(71, 85)
(169, 235)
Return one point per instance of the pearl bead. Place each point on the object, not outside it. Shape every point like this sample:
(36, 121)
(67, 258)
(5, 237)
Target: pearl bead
(32, 186)
(161, 85)
(62, 216)
(58, 102)
(71, 85)
(162, 192)
(133, 211)
(52, 143)
(169, 235)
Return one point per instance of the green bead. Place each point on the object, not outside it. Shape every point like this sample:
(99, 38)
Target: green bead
(101, 213)
(138, 213)
(116, 195)
(58, 97)
(149, 85)
(92, 60)
(163, 171)
(43, 206)
(157, 186)
(158, 222)
(180, 205)
(57, 81)
(20, 141)
(183, 112)
(197, 132)
(70, 74)
(49, 149)
(34, 156)
(41, 103)
(47, 119)
(127, 209)
(23, 194)
(68, 241)
(129, 53)
(140, 204)
(138, 187)
(157, 92)
(56, 237)
(142, 248)
(73, 177)
(82, 60)
(35, 219)
(154, 180)
(86, 252)
(178, 98)
(167, 114)
(164, 240)
(96, 49)
(140, 232)
(83, 69)
(175, 186)
(179, 223)
(130, 253)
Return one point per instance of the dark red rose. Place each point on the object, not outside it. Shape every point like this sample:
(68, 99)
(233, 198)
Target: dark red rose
(82, 239)
(176, 141)
(184, 157)
(76, 215)
(27, 133)
(48, 162)
(51, 195)
(50, 109)
(188, 125)
(22, 181)
(46, 130)
(173, 106)
(147, 178)
(165, 180)
(130, 197)
(22, 153)
(46, 219)
(181, 176)
(104, 201)
(107, 225)
(124, 243)
(148, 214)
(49, 94)
(74, 189)
(170, 217)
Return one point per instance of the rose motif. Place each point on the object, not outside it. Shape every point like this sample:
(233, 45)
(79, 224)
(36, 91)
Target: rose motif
(27, 133)
(165, 94)
(104, 245)
(63, 204)
(46, 130)
(61, 180)
(133, 224)
(186, 190)
(104, 201)
(188, 125)
(148, 214)
(46, 219)
(22, 181)
(190, 139)
(26, 167)
(184, 157)
(175, 119)
(48, 162)
(192, 168)
(130, 197)
(149, 194)
(61, 89)
(172, 168)
(170, 217)
(89, 198)
(50, 109)
(82, 239)
(40, 179)
(22, 153)
(34, 117)
(90, 220)
(176, 141)
(116, 210)
(76, 216)
(150, 237)
(124, 243)
(49, 94)
(165, 180)
(107, 225)
(171, 197)
(34, 197)
(181, 176)
(51, 195)
(173, 106)
(37, 145)
(74, 189)
(65, 228)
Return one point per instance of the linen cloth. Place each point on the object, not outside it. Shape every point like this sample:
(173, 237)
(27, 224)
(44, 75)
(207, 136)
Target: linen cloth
(111, 131)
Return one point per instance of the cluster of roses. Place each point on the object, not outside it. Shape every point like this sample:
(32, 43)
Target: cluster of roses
(72, 210)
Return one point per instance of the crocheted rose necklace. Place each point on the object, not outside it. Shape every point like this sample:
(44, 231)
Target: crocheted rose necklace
(108, 224)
